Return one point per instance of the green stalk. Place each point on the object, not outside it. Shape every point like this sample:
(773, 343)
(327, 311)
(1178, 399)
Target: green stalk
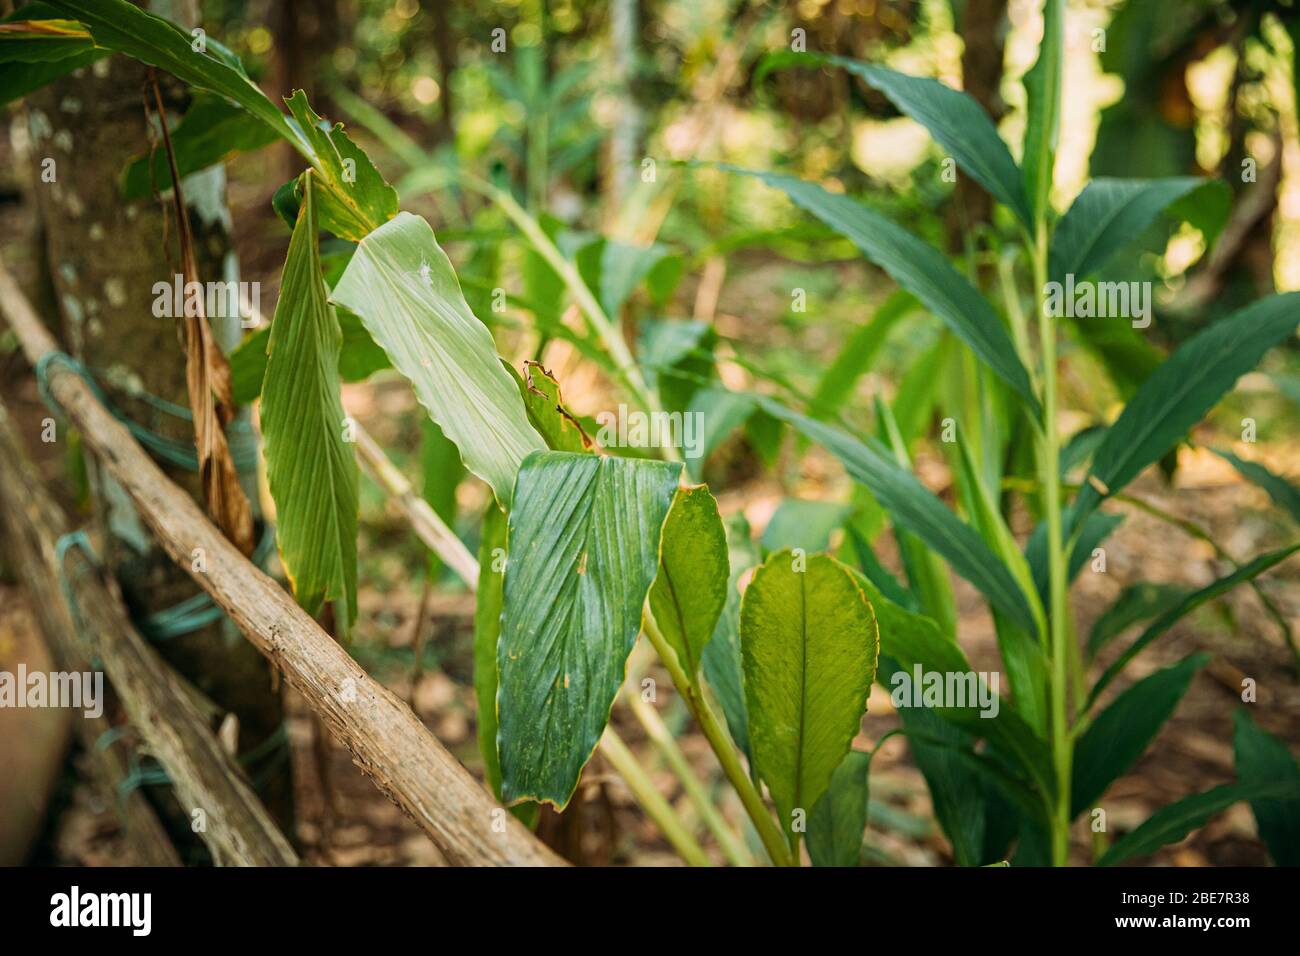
(1049, 465)
(733, 847)
(651, 800)
(699, 707)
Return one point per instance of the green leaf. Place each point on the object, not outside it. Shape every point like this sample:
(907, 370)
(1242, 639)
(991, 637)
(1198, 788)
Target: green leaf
(212, 130)
(1186, 386)
(836, 823)
(357, 200)
(125, 28)
(913, 641)
(803, 524)
(1043, 94)
(690, 589)
(49, 47)
(722, 658)
(1105, 217)
(1260, 758)
(441, 473)
(809, 643)
(402, 286)
(722, 411)
(584, 548)
(919, 268)
(547, 412)
(1174, 822)
(359, 357)
(1188, 604)
(913, 508)
(310, 467)
(1284, 494)
(1137, 602)
(1022, 654)
(954, 119)
(1121, 732)
(487, 628)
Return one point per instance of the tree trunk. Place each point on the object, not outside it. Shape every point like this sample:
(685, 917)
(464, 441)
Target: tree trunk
(106, 254)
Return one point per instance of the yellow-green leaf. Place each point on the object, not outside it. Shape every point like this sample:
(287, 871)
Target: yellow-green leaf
(691, 588)
(809, 643)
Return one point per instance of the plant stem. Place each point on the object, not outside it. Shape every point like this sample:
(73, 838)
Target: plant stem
(693, 694)
(733, 847)
(651, 800)
(1049, 465)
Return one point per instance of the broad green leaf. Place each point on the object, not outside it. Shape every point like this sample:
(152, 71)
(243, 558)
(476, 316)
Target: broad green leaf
(584, 548)
(913, 508)
(1284, 494)
(356, 200)
(1136, 603)
(211, 131)
(359, 357)
(690, 589)
(1261, 757)
(954, 119)
(857, 355)
(487, 628)
(1121, 732)
(1188, 604)
(919, 268)
(123, 27)
(1179, 393)
(310, 466)
(803, 524)
(722, 660)
(837, 822)
(402, 286)
(809, 643)
(1105, 217)
(547, 413)
(1174, 822)
(1043, 93)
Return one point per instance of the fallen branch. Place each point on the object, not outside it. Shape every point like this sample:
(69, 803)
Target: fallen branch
(235, 826)
(141, 828)
(386, 740)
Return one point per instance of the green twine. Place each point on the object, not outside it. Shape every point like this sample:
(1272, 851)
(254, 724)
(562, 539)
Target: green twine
(199, 610)
(181, 454)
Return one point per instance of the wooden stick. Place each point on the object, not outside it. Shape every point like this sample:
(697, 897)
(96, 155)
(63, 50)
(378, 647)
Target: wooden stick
(387, 741)
(141, 828)
(235, 825)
